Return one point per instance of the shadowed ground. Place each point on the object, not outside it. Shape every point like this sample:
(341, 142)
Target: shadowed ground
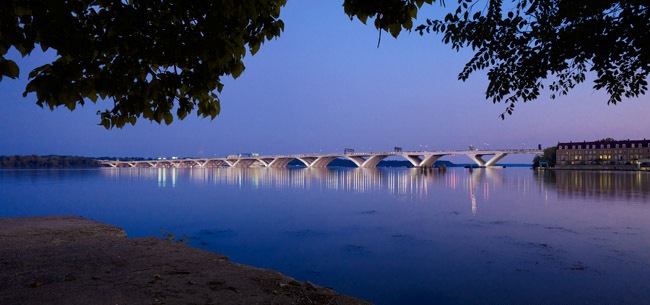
(72, 260)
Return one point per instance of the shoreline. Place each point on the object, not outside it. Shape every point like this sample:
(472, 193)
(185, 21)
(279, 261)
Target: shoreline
(74, 260)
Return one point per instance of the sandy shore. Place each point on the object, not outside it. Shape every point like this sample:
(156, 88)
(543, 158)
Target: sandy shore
(72, 260)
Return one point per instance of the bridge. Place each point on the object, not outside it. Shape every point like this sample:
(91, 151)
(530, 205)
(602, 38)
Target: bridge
(362, 160)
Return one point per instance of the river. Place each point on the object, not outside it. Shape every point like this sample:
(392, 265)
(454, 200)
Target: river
(390, 236)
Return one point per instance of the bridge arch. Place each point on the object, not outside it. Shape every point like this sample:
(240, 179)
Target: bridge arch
(278, 162)
(422, 160)
(361, 162)
(478, 158)
(316, 162)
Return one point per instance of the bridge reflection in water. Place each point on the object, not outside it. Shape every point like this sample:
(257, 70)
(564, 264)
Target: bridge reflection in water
(360, 180)
(409, 184)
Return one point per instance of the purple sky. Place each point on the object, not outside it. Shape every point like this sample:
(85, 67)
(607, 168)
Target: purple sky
(323, 86)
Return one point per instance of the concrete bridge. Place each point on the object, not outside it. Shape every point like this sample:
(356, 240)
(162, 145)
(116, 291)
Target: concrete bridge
(362, 160)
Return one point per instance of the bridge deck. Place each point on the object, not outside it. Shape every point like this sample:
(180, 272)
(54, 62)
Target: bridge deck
(361, 159)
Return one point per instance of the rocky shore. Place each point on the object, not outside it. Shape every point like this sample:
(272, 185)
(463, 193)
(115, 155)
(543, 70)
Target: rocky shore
(73, 260)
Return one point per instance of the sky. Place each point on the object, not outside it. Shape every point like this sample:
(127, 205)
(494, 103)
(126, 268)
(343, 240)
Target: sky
(323, 86)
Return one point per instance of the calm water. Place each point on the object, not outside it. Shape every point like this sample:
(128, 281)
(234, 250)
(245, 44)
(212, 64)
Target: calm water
(390, 236)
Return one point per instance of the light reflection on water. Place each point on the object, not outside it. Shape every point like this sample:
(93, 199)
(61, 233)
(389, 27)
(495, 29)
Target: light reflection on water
(391, 236)
(633, 186)
(410, 182)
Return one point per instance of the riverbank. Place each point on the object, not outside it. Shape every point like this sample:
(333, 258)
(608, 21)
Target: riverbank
(619, 167)
(73, 260)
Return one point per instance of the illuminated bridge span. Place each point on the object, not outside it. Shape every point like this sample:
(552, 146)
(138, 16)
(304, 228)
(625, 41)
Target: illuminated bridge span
(362, 160)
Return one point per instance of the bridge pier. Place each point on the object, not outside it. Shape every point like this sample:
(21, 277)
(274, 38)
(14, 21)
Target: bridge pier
(478, 158)
(200, 163)
(417, 161)
(277, 162)
(316, 162)
(243, 163)
(362, 162)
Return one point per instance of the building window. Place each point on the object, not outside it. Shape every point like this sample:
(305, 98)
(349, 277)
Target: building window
(632, 145)
(623, 145)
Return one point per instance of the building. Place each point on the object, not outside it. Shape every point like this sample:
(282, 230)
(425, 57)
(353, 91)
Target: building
(604, 152)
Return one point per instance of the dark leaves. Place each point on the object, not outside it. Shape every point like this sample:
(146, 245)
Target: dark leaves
(146, 59)
(390, 15)
(525, 43)
(8, 68)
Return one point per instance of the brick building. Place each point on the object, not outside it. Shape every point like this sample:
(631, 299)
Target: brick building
(604, 152)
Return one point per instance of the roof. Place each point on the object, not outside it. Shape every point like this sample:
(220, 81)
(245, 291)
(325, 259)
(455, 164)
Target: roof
(628, 143)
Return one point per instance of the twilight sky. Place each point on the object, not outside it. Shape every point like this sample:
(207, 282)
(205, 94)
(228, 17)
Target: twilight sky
(323, 86)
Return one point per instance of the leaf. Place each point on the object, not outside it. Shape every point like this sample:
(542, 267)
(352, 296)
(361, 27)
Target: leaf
(106, 123)
(363, 18)
(168, 118)
(9, 68)
(255, 48)
(237, 69)
(395, 29)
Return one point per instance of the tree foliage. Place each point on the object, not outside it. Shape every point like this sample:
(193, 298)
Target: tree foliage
(388, 15)
(530, 45)
(147, 57)
(549, 156)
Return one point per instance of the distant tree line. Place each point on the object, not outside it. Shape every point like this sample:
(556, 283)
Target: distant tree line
(125, 158)
(52, 161)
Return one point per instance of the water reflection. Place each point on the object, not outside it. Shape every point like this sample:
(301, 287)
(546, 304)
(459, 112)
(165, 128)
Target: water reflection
(358, 180)
(408, 184)
(602, 185)
(471, 195)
